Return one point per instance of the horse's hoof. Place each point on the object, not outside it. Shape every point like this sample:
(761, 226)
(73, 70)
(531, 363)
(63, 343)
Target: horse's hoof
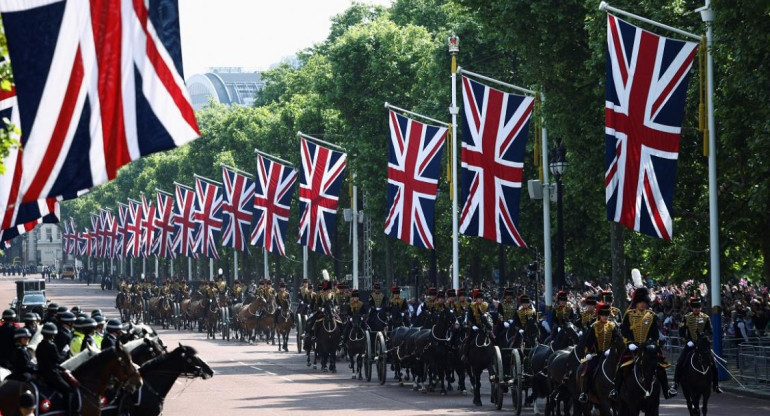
(360, 377)
(401, 384)
(354, 377)
(477, 402)
(423, 391)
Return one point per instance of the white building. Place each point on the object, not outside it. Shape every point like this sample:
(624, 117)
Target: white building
(229, 86)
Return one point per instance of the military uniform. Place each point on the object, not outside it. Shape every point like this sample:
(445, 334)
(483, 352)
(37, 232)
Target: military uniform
(398, 306)
(476, 318)
(693, 326)
(599, 338)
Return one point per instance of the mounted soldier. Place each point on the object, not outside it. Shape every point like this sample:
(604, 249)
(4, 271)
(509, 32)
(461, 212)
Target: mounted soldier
(563, 314)
(640, 326)
(694, 325)
(378, 302)
(600, 336)
(461, 304)
(588, 315)
(427, 304)
(283, 298)
(306, 296)
(607, 298)
(398, 306)
(506, 310)
(49, 359)
(525, 312)
(476, 318)
(440, 302)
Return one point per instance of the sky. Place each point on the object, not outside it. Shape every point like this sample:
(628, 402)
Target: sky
(252, 33)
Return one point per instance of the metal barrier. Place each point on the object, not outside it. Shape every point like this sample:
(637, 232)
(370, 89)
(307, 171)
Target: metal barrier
(754, 366)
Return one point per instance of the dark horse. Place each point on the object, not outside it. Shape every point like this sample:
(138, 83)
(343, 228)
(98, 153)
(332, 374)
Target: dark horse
(94, 373)
(355, 343)
(696, 376)
(328, 332)
(601, 382)
(561, 368)
(640, 390)
(538, 361)
(480, 357)
(159, 375)
(283, 323)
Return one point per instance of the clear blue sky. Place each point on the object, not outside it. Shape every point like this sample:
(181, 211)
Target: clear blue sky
(252, 33)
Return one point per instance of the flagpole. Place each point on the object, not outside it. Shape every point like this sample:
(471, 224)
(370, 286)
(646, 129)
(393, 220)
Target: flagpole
(323, 142)
(547, 276)
(275, 158)
(354, 224)
(304, 262)
(172, 267)
(189, 269)
(235, 265)
(393, 107)
(454, 48)
(265, 268)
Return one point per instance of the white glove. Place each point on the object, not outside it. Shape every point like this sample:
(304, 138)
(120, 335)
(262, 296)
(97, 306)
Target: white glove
(521, 331)
(301, 302)
(632, 347)
(66, 348)
(379, 309)
(588, 357)
(279, 308)
(607, 353)
(580, 334)
(402, 314)
(510, 321)
(506, 324)
(475, 328)
(690, 344)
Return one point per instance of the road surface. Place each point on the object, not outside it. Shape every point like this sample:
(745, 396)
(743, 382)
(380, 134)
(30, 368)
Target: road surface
(258, 378)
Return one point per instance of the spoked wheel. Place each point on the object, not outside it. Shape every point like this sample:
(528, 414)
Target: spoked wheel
(224, 323)
(300, 331)
(517, 390)
(380, 356)
(368, 357)
(497, 379)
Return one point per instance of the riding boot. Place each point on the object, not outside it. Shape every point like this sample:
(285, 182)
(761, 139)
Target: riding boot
(668, 391)
(715, 377)
(583, 398)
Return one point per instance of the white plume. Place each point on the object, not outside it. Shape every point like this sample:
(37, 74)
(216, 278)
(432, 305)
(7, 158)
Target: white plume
(325, 274)
(636, 276)
(704, 290)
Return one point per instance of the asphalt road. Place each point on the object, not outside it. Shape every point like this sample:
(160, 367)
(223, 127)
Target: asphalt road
(257, 378)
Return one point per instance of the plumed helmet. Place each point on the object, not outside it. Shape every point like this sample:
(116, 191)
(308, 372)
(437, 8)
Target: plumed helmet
(477, 293)
(641, 294)
(695, 302)
(524, 299)
(395, 290)
(509, 292)
(603, 309)
(561, 295)
(450, 293)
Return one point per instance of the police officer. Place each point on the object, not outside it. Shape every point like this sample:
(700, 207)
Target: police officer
(49, 359)
(50, 313)
(597, 342)
(83, 335)
(639, 327)
(99, 330)
(7, 332)
(114, 332)
(694, 325)
(30, 322)
(22, 366)
(64, 336)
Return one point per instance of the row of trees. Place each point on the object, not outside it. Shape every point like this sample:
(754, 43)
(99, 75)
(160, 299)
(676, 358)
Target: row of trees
(398, 54)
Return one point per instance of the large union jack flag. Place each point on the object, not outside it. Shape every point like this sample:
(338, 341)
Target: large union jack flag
(319, 190)
(236, 209)
(272, 202)
(208, 215)
(67, 238)
(99, 85)
(647, 78)
(414, 161)
(133, 237)
(495, 126)
(84, 243)
(185, 226)
(164, 226)
(148, 225)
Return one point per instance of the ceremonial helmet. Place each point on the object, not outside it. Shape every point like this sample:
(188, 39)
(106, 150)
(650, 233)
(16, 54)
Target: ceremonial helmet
(281, 285)
(432, 291)
(641, 294)
(460, 292)
(524, 299)
(450, 293)
(395, 290)
(561, 295)
(606, 296)
(354, 293)
(326, 285)
(508, 291)
(477, 293)
(49, 329)
(591, 300)
(603, 309)
(695, 302)
(376, 286)
(440, 294)
(320, 286)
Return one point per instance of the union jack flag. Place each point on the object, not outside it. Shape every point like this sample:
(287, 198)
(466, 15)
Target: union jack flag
(72, 237)
(185, 226)
(208, 214)
(272, 202)
(413, 167)
(84, 243)
(32, 210)
(495, 126)
(148, 226)
(319, 190)
(133, 237)
(66, 238)
(120, 244)
(164, 226)
(99, 85)
(109, 231)
(97, 236)
(647, 78)
(236, 209)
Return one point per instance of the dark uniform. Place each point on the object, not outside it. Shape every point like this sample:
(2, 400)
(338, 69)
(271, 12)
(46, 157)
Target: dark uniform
(599, 339)
(7, 343)
(523, 314)
(22, 366)
(506, 310)
(377, 302)
(398, 306)
(693, 326)
(615, 315)
(476, 318)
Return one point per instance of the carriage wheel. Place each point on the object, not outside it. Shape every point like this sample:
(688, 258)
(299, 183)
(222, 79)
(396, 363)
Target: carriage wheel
(300, 330)
(380, 354)
(517, 393)
(497, 379)
(368, 357)
(223, 323)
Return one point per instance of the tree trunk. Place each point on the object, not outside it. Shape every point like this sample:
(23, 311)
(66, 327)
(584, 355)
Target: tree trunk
(618, 265)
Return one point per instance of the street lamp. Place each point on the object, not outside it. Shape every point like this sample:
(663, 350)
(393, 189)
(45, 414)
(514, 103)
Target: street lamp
(558, 165)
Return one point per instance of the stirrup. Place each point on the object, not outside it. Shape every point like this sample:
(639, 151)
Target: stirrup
(583, 398)
(613, 394)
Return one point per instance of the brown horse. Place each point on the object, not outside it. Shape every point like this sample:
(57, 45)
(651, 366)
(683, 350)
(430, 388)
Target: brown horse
(284, 321)
(194, 309)
(211, 318)
(266, 324)
(135, 307)
(94, 375)
(248, 318)
(161, 309)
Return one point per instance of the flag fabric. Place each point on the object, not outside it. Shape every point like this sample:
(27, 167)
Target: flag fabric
(72, 238)
(119, 247)
(647, 77)
(236, 209)
(319, 190)
(22, 225)
(99, 84)
(272, 202)
(97, 236)
(84, 243)
(414, 161)
(164, 226)
(185, 226)
(66, 237)
(148, 226)
(108, 233)
(495, 126)
(208, 215)
(133, 237)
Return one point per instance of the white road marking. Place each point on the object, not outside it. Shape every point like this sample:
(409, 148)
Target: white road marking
(256, 368)
(272, 374)
(287, 379)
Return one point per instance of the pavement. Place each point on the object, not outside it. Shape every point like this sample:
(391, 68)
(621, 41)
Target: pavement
(259, 378)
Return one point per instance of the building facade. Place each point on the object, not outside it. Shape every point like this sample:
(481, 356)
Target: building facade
(228, 86)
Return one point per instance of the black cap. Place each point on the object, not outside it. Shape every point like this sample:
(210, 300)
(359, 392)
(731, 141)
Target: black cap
(27, 400)
(21, 333)
(9, 314)
(29, 317)
(49, 329)
(96, 312)
(114, 325)
(61, 309)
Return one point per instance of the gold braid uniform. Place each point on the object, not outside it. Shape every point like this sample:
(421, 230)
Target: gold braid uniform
(563, 313)
(460, 307)
(640, 322)
(478, 310)
(508, 310)
(356, 306)
(586, 317)
(525, 314)
(603, 333)
(696, 325)
(377, 299)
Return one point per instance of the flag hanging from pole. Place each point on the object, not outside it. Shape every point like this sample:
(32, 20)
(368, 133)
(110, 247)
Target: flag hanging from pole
(121, 243)
(208, 215)
(414, 161)
(148, 226)
(272, 202)
(185, 226)
(236, 209)
(319, 190)
(647, 78)
(164, 226)
(109, 230)
(97, 236)
(99, 84)
(495, 126)
(133, 239)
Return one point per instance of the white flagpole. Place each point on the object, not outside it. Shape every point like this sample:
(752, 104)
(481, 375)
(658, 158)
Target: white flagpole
(265, 269)
(235, 265)
(156, 268)
(172, 267)
(304, 262)
(354, 224)
(454, 48)
(211, 269)
(189, 269)
(547, 277)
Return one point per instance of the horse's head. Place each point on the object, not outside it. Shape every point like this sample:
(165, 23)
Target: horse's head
(703, 349)
(646, 365)
(530, 331)
(122, 369)
(445, 318)
(190, 363)
(356, 320)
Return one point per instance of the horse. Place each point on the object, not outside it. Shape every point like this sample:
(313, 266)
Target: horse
(94, 372)
(135, 307)
(640, 391)
(161, 309)
(561, 366)
(193, 309)
(602, 382)
(248, 317)
(266, 322)
(696, 377)
(159, 375)
(327, 338)
(480, 356)
(355, 343)
(144, 349)
(538, 361)
(211, 318)
(284, 321)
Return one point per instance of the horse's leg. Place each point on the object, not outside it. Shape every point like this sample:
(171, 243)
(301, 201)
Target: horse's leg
(476, 382)
(705, 405)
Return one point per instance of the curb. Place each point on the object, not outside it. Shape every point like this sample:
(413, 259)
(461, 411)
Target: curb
(745, 392)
